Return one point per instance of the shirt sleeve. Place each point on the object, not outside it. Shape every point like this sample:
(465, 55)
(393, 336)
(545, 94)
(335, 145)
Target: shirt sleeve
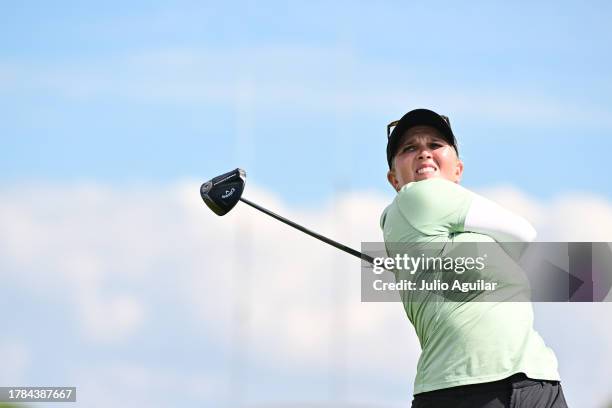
(440, 207)
(435, 206)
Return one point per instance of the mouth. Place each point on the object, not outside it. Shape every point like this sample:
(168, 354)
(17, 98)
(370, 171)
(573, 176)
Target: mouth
(427, 169)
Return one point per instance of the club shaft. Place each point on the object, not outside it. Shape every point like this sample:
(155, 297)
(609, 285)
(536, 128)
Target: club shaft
(331, 242)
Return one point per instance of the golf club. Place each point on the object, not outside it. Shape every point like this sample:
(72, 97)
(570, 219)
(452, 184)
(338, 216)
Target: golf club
(223, 192)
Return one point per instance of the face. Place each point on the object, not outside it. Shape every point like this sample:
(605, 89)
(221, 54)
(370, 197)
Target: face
(423, 153)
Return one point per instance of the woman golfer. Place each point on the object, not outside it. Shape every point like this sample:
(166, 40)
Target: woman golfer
(474, 354)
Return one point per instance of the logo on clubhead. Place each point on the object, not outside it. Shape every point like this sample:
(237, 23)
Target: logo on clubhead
(228, 193)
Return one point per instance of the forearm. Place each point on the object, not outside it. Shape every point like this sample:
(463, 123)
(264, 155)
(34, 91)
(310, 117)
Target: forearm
(510, 230)
(487, 217)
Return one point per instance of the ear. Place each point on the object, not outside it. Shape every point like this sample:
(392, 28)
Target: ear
(458, 171)
(392, 179)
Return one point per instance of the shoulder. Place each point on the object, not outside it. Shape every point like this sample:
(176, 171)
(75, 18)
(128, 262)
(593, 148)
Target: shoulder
(434, 201)
(430, 191)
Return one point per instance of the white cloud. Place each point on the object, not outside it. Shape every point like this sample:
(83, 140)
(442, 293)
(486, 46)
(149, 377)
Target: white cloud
(573, 217)
(109, 319)
(129, 384)
(115, 255)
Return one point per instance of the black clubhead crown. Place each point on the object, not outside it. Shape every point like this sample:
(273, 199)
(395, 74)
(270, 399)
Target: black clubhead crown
(223, 192)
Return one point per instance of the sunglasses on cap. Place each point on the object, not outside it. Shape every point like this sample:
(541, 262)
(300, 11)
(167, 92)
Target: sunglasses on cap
(393, 124)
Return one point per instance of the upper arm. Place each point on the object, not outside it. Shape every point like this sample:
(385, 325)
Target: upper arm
(435, 206)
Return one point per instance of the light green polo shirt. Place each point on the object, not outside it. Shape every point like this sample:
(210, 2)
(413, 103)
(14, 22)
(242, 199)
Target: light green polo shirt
(462, 342)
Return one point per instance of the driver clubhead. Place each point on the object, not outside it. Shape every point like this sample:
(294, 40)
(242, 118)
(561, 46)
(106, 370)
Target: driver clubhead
(223, 192)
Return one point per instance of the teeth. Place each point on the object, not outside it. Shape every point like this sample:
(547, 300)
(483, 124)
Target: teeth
(426, 170)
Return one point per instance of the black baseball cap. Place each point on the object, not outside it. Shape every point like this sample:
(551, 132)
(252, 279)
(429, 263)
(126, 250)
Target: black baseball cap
(418, 117)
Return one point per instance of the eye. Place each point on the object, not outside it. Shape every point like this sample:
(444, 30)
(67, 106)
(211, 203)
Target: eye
(435, 145)
(408, 148)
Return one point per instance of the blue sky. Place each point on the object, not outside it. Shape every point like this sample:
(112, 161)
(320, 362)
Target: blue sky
(299, 94)
(113, 114)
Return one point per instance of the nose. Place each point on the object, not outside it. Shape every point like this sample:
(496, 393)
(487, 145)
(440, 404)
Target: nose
(424, 153)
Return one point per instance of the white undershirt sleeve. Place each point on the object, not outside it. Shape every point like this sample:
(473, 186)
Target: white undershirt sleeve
(487, 217)
(490, 218)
